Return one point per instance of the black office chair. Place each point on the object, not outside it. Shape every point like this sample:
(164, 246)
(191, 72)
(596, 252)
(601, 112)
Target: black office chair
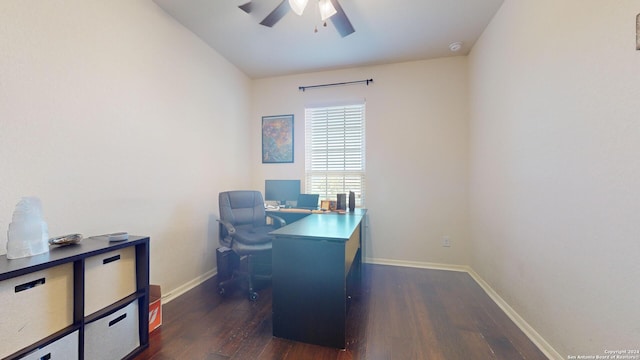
(243, 229)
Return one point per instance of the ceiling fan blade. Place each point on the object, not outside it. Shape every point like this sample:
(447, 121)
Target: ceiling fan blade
(277, 14)
(247, 7)
(341, 21)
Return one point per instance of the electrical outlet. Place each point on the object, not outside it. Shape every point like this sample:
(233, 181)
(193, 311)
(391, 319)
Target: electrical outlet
(446, 241)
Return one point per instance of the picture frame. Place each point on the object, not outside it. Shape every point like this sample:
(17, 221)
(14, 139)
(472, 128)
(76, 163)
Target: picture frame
(328, 205)
(277, 139)
(638, 32)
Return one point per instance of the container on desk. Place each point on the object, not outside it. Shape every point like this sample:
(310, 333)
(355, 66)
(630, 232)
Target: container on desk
(341, 204)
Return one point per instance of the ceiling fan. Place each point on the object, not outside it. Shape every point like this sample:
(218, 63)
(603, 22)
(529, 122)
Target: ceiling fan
(338, 18)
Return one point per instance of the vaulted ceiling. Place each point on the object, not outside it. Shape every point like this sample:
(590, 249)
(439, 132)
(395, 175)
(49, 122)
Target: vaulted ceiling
(385, 32)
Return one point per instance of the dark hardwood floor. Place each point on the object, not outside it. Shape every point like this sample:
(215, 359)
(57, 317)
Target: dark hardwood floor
(401, 313)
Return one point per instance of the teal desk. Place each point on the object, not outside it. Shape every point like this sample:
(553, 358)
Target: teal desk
(316, 270)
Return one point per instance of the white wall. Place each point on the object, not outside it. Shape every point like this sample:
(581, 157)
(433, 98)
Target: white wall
(554, 179)
(416, 124)
(119, 119)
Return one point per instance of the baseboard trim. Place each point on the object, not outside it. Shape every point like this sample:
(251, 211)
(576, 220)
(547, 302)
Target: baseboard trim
(531, 333)
(417, 264)
(188, 286)
(527, 329)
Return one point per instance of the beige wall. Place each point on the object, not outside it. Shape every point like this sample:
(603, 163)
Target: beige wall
(416, 124)
(525, 153)
(554, 144)
(117, 118)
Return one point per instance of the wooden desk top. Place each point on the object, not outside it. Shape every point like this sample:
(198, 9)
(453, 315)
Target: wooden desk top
(332, 226)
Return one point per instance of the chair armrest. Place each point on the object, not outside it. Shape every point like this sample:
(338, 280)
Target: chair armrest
(231, 230)
(277, 220)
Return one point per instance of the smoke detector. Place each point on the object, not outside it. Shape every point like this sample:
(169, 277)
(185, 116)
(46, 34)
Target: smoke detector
(455, 46)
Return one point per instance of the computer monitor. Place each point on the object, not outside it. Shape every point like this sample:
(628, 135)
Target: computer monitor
(307, 201)
(281, 190)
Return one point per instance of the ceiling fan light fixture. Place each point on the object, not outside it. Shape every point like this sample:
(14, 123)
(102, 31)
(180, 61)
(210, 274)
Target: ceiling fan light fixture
(298, 6)
(326, 9)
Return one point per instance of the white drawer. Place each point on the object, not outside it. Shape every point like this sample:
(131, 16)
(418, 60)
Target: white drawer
(113, 336)
(34, 306)
(65, 348)
(108, 278)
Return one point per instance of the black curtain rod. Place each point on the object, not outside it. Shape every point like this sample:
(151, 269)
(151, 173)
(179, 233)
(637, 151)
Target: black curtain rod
(367, 81)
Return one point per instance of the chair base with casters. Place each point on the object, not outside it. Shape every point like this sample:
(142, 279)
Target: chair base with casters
(245, 231)
(239, 276)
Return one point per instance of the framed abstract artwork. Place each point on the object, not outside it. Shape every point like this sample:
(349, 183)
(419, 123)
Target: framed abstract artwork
(277, 139)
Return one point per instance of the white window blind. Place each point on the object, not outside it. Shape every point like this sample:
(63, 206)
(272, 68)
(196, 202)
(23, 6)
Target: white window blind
(335, 151)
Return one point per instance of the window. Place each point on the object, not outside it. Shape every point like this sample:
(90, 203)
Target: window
(335, 151)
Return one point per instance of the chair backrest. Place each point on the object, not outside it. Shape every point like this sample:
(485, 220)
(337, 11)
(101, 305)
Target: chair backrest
(242, 207)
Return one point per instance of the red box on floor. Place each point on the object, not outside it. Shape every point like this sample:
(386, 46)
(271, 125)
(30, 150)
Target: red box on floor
(155, 307)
